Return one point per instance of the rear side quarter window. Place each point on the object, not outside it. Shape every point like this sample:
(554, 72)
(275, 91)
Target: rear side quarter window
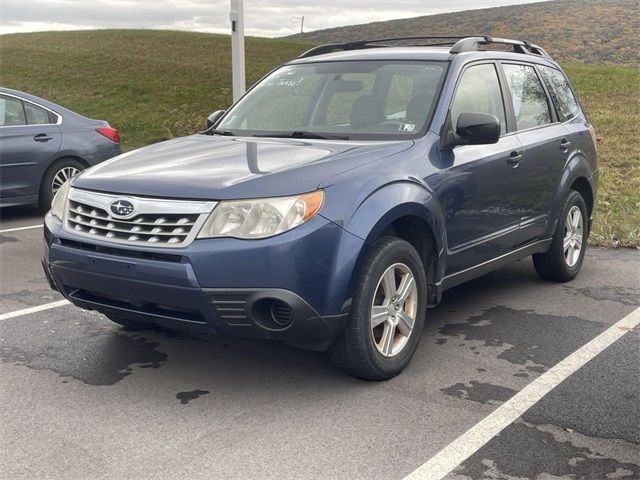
(561, 93)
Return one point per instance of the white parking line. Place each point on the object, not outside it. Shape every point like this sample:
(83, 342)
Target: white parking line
(438, 466)
(20, 228)
(39, 308)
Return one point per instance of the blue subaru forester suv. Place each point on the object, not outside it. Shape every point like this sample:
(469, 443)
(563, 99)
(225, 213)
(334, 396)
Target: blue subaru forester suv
(336, 201)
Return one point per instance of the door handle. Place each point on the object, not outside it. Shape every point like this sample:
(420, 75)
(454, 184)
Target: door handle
(42, 137)
(565, 144)
(514, 159)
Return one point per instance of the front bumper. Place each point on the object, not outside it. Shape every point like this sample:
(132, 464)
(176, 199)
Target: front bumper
(293, 287)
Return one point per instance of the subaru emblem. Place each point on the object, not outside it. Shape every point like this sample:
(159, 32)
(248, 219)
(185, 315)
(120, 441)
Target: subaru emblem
(122, 208)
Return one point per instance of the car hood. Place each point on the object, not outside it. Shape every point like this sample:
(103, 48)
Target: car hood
(217, 167)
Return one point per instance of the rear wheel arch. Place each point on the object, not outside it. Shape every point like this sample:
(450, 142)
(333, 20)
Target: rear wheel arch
(583, 187)
(68, 157)
(58, 159)
(44, 196)
(574, 178)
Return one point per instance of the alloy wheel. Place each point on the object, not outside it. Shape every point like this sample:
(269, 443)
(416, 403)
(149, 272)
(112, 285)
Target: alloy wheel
(61, 177)
(394, 309)
(573, 235)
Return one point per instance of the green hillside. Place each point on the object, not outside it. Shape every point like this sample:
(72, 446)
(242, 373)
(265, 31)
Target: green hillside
(590, 31)
(155, 85)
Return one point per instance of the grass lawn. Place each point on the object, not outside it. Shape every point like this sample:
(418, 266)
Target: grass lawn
(610, 96)
(155, 85)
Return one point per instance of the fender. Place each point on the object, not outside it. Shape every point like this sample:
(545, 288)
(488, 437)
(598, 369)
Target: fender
(577, 166)
(391, 202)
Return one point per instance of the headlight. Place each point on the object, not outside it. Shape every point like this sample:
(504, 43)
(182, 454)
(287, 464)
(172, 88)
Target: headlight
(261, 218)
(59, 201)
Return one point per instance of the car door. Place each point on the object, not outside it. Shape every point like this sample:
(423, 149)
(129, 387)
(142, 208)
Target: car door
(482, 191)
(545, 143)
(29, 137)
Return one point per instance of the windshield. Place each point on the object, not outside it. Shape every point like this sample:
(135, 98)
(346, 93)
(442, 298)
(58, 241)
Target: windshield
(350, 100)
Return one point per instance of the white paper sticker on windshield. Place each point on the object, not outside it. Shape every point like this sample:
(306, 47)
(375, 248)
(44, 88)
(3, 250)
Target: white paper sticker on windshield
(407, 127)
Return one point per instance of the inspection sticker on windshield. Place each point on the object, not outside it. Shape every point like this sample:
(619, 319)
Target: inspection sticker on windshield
(407, 127)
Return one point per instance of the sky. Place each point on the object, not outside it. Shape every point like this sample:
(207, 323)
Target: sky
(267, 18)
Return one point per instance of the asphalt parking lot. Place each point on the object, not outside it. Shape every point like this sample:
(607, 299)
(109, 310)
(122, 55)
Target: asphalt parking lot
(82, 398)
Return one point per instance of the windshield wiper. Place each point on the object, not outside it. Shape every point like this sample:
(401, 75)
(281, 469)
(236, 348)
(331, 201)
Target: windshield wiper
(214, 131)
(303, 134)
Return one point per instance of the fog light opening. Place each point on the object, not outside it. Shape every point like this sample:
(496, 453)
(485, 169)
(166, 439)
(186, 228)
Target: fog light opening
(281, 313)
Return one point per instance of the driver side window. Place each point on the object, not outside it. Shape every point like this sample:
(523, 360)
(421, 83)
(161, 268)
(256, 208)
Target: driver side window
(479, 92)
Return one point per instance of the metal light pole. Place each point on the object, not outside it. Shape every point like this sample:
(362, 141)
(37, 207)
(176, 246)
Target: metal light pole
(301, 23)
(237, 48)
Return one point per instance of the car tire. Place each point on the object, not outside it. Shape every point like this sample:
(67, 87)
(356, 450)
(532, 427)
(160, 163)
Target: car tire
(131, 324)
(563, 262)
(379, 351)
(60, 170)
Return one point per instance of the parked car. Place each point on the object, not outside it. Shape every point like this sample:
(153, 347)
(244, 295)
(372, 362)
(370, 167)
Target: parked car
(333, 204)
(42, 145)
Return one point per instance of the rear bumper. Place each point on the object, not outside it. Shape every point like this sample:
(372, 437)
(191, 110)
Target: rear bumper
(175, 288)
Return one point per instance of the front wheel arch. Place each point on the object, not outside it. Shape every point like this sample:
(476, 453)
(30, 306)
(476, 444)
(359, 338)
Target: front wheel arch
(418, 227)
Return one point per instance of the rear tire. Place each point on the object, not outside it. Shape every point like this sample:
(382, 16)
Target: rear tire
(565, 256)
(387, 313)
(61, 170)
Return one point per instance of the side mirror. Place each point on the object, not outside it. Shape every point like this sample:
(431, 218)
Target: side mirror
(214, 117)
(471, 129)
(478, 128)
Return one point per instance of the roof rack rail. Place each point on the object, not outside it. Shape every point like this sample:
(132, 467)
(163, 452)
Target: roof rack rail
(459, 44)
(471, 44)
(445, 40)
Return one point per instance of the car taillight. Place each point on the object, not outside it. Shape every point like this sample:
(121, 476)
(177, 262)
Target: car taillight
(592, 132)
(111, 133)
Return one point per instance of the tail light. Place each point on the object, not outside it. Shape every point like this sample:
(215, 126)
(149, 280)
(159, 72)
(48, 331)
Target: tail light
(592, 132)
(111, 133)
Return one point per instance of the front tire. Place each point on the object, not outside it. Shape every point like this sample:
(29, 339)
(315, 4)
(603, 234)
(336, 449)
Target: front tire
(387, 313)
(565, 256)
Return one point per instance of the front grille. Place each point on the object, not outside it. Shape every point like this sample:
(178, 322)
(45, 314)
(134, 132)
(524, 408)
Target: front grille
(157, 222)
(149, 228)
(123, 252)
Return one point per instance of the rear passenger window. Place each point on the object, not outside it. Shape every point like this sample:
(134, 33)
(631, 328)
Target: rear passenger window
(530, 103)
(479, 92)
(36, 115)
(11, 112)
(565, 102)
